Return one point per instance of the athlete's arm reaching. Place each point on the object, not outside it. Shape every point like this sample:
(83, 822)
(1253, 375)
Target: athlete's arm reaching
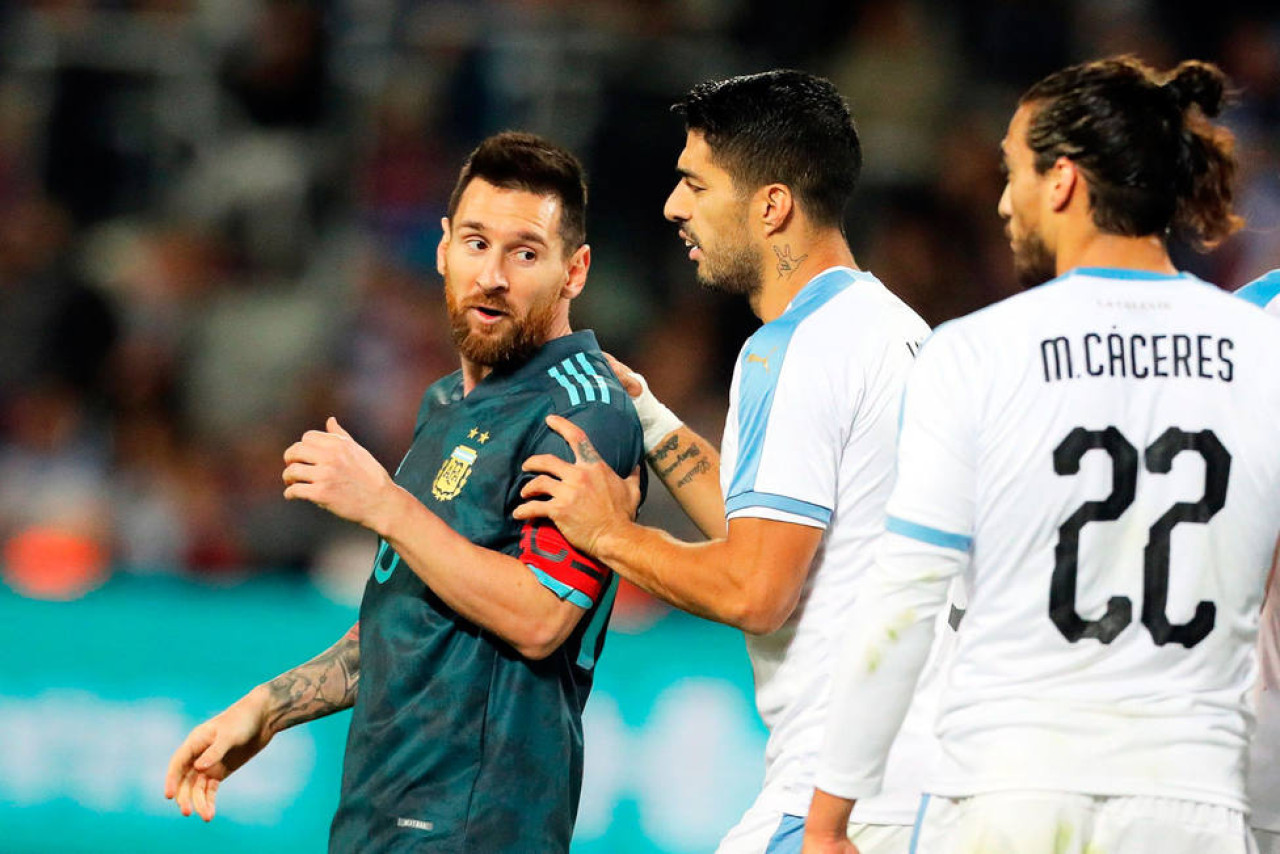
(493, 590)
(687, 464)
(217, 747)
(751, 578)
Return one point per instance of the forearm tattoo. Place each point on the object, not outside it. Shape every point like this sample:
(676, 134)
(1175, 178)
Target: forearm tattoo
(668, 457)
(324, 685)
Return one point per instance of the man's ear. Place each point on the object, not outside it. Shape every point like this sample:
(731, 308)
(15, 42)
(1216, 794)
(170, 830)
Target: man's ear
(774, 205)
(1065, 181)
(579, 264)
(442, 245)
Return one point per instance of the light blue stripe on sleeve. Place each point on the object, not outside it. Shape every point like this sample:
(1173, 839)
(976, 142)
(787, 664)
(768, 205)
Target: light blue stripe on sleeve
(779, 502)
(561, 589)
(925, 534)
(591, 372)
(1262, 291)
(587, 387)
(915, 831)
(587, 652)
(761, 366)
(574, 398)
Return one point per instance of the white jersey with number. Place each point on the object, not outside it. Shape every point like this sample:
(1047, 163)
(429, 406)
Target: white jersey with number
(1264, 754)
(1097, 456)
(809, 439)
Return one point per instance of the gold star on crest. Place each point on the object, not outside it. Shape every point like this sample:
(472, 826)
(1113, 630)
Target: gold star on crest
(474, 431)
(484, 437)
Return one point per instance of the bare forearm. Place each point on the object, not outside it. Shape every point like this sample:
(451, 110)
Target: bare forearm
(750, 579)
(324, 685)
(689, 467)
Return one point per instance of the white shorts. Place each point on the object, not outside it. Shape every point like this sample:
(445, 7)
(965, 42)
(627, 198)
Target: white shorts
(1267, 841)
(766, 832)
(1066, 823)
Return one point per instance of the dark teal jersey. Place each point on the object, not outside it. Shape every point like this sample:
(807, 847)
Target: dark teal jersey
(458, 743)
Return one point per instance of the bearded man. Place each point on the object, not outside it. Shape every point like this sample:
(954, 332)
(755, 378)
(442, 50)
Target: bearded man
(478, 634)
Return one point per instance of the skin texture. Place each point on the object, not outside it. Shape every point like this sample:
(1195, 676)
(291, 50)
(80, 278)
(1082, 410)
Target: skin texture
(508, 284)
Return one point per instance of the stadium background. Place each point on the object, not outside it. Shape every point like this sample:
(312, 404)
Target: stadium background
(217, 226)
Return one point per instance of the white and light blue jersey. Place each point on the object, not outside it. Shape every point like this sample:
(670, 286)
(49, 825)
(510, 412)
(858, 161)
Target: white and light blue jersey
(1264, 756)
(1263, 292)
(809, 440)
(1096, 457)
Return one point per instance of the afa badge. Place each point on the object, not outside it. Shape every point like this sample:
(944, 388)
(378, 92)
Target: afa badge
(453, 473)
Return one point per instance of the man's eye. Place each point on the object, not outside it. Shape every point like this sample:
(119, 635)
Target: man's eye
(527, 255)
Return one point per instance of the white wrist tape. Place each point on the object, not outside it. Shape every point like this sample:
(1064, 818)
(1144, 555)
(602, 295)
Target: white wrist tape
(655, 419)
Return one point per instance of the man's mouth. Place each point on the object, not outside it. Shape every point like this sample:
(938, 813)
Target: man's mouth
(487, 314)
(691, 243)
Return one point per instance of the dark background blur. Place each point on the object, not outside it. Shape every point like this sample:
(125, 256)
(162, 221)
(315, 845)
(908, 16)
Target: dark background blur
(218, 222)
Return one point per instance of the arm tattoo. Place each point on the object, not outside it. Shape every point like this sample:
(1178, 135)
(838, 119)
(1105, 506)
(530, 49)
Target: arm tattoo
(701, 468)
(324, 685)
(786, 264)
(687, 453)
(661, 451)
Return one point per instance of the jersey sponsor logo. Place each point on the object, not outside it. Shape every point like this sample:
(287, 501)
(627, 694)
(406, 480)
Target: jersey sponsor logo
(758, 359)
(415, 824)
(454, 473)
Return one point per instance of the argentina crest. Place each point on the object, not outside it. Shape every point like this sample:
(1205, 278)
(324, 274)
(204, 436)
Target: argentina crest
(453, 473)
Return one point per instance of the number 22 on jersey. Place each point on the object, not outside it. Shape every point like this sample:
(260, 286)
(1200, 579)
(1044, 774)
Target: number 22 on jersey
(1157, 460)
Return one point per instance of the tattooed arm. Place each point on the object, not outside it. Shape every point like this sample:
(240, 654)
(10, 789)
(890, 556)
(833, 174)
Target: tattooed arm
(689, 467)
(324, 685)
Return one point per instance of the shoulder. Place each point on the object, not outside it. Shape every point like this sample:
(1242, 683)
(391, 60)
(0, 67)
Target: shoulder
(1263, 292)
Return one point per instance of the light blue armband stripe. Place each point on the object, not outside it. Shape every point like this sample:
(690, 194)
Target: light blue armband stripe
(816, 512)
(561, 589)
(925, 534)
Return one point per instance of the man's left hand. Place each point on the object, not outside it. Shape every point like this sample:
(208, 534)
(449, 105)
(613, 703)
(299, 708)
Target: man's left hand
(584, 498)
(329, 468)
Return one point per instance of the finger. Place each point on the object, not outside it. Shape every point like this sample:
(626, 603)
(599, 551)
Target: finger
(625, 375)
(181, 761)
(633, 489)
(298, 473)
(212, 754)
(583, 450)
(301, 452)
(198, 799)
(303, 492)
(211, 795)
(532, 510)
(184, 791)
(542, 485)
(547, 464)
(334, 427)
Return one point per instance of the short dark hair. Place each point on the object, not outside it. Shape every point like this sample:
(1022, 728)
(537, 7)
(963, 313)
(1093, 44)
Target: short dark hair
(513, 160)
(785, 126)
(1152, 159)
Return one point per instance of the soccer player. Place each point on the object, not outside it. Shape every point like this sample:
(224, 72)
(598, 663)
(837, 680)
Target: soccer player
(1095, 457)
(478, 635)
(1264, 748)
(793, 505)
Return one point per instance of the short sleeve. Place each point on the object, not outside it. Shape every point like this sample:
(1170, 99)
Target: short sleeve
(933, 496)
(789, 412)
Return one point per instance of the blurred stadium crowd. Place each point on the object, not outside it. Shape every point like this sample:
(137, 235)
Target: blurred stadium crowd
(218, 222)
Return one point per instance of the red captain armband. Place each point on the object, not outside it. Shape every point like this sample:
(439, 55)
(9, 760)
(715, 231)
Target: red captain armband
(544, 548)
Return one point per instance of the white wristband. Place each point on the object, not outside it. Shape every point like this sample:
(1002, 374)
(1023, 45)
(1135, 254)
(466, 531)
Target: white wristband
(656, 420)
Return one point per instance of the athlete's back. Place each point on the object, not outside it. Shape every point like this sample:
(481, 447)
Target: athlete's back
(1125, 503)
